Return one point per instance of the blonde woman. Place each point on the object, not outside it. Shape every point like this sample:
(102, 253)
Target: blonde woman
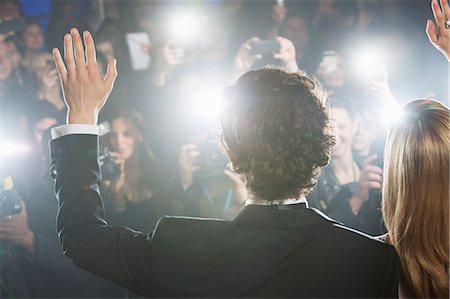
(416, 197)
(416, 184)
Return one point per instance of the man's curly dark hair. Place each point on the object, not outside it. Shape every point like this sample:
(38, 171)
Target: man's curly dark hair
(277, 132)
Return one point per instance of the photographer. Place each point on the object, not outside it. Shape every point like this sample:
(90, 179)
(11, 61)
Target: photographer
(17, 242)
(131, 174)
(47, 80)
(204, 185)
(256, 53)
(345, 188)
(32, 262)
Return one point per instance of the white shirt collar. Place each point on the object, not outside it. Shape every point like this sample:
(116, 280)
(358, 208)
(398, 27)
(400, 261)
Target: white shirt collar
(290, 201)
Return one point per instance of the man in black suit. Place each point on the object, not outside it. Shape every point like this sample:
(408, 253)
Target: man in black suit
(277, 133)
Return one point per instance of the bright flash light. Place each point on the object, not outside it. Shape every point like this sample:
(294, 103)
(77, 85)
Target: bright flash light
(8, 149)
(391, 113)
(205, 104)
(185, 27)
(369, 63)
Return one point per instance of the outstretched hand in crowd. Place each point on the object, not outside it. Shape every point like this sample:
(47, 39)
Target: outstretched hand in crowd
(85, 92)
(440, 38)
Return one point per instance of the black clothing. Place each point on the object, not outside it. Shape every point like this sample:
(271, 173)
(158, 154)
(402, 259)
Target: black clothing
(139, 216)
(208, 197)
(333, 199)
(48, 273)
(266, 251)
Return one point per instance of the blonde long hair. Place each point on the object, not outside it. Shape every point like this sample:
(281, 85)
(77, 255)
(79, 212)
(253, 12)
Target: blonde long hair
(416, 196)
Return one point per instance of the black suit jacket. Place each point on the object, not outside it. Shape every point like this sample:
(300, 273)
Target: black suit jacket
(266, 251)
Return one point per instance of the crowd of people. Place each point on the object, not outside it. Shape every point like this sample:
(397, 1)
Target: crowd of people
(160, 151)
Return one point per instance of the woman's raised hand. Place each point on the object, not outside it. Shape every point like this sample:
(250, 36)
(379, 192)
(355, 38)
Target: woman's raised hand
(440, 38)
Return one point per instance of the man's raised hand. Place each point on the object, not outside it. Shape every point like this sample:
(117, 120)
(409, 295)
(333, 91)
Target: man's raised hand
(85, 92)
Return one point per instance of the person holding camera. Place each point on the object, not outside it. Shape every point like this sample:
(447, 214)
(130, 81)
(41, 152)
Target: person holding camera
(204, 185)
(46, 74)
(345, 188)
(255, 53)
(132, 175)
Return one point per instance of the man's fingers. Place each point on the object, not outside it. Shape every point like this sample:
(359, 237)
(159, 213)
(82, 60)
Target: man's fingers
(79, 50)
(91, 60)
(60, 65)
(68, 54)
(111, 74)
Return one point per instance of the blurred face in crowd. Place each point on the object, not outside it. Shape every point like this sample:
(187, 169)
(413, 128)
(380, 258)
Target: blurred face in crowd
(294, 28)
(67, 8)
(13, 54)
(365, 135)
(41, 126)
(332, 74)
(124, 137)
(40, 63)
(33, 37)
(9, 10)
(345, 131)
(6, 64)
(107, 49)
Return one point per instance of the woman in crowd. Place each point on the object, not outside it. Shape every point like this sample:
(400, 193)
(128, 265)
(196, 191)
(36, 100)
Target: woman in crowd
(204, 185)
(33, 41)
(344, 187)
(48, 87)
(416, 197)
(370, 136)
(416, 188)
(131, 185)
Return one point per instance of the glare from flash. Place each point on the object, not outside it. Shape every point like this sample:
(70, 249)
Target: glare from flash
(391, 113)
(185, 27)
(370, 63)
(206, 103)
(8, 149)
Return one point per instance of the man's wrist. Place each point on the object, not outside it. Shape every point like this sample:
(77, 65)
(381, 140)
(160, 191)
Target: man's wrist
(82, 118)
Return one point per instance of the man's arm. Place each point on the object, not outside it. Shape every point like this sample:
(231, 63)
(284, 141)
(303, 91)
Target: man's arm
(118, 254)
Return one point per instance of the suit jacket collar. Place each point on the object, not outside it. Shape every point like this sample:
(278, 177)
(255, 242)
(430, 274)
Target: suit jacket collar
(281, 216)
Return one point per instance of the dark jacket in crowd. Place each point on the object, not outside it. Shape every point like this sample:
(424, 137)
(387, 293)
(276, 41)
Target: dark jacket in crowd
(333, 198)
(48, 273)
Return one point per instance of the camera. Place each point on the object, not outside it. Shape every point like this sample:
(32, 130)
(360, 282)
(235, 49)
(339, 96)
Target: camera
(265, 47)
(15, 25)
(212, 159)
(110, 170)
(10, 199)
